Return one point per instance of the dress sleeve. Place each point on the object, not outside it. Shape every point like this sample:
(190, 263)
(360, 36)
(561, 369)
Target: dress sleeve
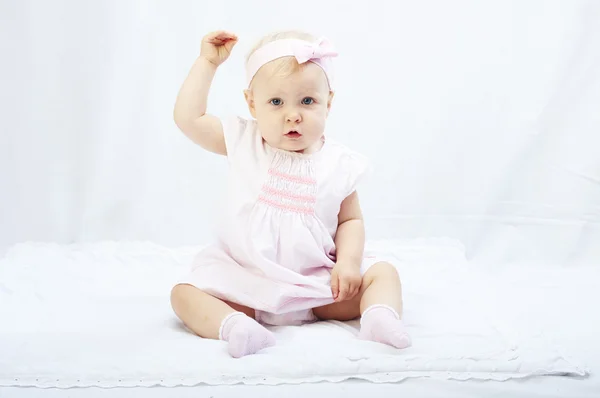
(356, 168)
(234, 128)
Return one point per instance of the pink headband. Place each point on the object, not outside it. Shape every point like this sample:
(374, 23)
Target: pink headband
(319, 53)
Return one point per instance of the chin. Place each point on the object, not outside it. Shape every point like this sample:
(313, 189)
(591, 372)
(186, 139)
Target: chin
(295, 147)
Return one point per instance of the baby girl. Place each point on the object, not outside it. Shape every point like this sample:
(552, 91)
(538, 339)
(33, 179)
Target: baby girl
(290, 245)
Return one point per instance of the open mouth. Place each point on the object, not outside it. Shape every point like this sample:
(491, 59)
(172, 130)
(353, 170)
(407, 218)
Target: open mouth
(293, 134)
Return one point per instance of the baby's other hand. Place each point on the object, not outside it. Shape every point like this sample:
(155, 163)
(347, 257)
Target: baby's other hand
(345, 281)
(216, 46)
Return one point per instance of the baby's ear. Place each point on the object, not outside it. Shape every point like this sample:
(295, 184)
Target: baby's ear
(250, 101)
(329, 100)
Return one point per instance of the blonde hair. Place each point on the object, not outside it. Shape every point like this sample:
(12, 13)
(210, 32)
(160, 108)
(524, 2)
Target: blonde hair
(287, 65)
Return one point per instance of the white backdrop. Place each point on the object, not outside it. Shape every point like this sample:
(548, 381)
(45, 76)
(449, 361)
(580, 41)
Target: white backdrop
(482, 118)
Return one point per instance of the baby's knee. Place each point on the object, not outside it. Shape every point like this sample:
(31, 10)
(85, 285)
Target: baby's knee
(382, 270)
(180, 294)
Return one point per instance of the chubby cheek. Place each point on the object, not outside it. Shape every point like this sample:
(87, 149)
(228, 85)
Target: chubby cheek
(261, 113)
(317, 119)
(268, 126)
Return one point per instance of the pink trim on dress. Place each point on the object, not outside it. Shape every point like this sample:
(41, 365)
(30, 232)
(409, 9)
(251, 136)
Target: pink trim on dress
(293, 178)
(288, 195)
(295, 209)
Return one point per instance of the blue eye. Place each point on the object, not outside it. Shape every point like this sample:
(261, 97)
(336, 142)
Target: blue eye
(276, 101)
(307, 101)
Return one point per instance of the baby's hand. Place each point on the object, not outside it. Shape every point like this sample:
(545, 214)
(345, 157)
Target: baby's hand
(345, 281)
(216, 46)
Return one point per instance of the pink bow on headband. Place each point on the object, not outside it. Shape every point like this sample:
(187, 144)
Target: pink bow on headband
(319, 52)
(305, 51)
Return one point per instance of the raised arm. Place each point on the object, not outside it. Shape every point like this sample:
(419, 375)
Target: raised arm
(190, 108)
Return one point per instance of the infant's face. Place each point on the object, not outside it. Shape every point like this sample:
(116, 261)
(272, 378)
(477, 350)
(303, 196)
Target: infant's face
(291, 110)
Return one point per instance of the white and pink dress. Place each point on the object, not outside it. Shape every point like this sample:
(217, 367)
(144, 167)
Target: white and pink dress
(275, 246)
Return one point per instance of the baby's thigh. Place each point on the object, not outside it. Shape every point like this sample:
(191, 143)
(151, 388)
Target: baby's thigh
(241, 308)
(343, 311)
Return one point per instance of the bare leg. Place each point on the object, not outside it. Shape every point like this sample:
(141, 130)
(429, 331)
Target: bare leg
(201, 312)
(380, 285)
(212, 318)
(384, 287)
(380, 304)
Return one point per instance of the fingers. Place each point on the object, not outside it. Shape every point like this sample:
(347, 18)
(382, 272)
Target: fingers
(352, 292)
(334, 286)
(348, 289)
(356, 289)
(345, 283)
(344, 289)
(221, 37)
(229, 45)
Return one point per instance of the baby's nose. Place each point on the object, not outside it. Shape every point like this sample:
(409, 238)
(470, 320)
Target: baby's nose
(293, 117)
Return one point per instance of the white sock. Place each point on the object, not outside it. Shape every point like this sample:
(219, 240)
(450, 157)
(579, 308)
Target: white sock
(244, 335)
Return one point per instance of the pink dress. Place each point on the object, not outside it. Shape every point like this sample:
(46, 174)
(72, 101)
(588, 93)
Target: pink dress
(275, 247)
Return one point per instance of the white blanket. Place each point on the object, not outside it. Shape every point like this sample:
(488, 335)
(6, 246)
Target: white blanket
(99, 315)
